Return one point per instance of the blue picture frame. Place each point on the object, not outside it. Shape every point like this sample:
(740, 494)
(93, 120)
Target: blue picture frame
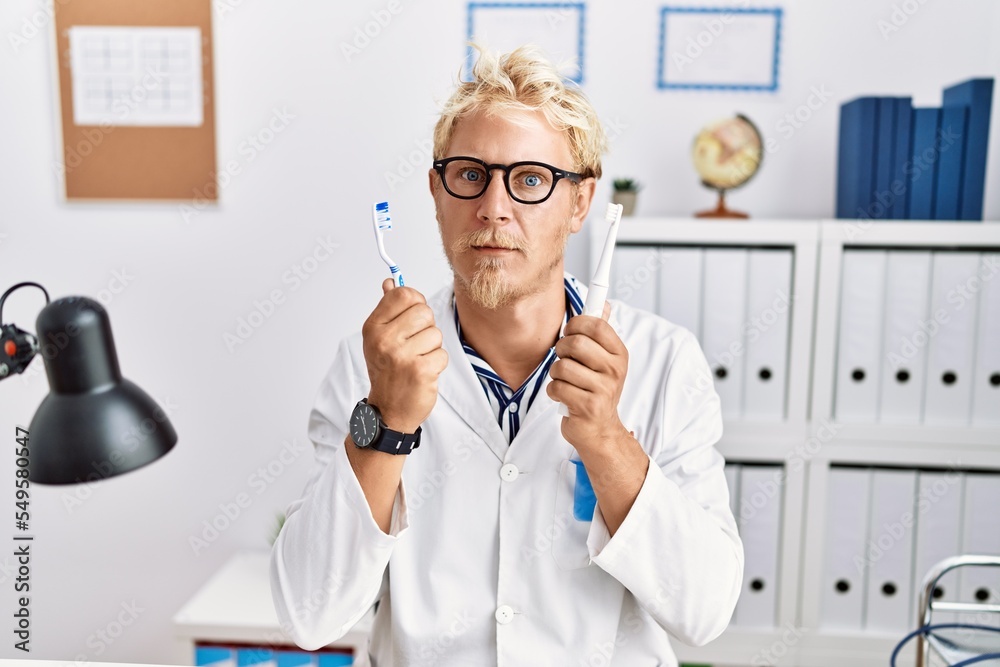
(577, 6)
(771, 87)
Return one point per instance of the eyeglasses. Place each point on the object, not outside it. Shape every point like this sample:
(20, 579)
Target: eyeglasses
(526, 182)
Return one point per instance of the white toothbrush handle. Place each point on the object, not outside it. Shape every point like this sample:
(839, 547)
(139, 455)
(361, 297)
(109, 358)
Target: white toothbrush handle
(594, 307)
(397, 276)
(596, 296)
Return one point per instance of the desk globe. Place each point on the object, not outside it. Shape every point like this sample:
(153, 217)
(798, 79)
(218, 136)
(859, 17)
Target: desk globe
(726, 154)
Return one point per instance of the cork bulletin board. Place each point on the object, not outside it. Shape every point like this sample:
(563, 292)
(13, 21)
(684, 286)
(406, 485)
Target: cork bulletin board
(137, 103)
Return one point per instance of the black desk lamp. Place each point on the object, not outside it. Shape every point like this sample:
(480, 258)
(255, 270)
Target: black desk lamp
(93, 419)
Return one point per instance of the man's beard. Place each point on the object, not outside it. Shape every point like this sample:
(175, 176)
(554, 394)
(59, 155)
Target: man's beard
(490, 287)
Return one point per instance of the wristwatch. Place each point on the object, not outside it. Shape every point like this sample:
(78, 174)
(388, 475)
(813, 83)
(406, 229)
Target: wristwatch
(368, 431)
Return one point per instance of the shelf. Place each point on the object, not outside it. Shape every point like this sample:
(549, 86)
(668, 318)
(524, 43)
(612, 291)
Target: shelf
(659, 231)
(797, 647)
(236, 605)
(761, 441)
(934, 233)
(744, 646)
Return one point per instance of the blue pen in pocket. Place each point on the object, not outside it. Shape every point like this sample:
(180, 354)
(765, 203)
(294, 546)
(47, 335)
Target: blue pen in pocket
(584, 500)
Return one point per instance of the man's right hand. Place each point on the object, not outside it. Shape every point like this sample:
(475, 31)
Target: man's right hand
(404, 356)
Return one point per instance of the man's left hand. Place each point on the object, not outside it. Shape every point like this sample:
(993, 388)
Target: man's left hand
(588, 378)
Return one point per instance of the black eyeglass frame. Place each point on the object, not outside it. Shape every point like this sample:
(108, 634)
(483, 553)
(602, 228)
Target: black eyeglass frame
(557, 175)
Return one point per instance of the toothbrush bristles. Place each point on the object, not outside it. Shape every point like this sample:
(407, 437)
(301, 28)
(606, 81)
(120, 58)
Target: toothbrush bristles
(612, 213)
(382, 215)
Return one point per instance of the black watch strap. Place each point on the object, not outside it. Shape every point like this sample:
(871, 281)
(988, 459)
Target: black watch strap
(394, 442)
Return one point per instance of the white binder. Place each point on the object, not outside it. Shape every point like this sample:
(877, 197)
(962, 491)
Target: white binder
(723, 313)
(634, 276)
(980, 535)
(904, 347)
(847, 515)
(733, 482)
(859, 343)
(680, 294)
(890, 552)
(948, 399)
(732, 471)
(986, 389)
(760, 526)
(769, 304)
(938, 535)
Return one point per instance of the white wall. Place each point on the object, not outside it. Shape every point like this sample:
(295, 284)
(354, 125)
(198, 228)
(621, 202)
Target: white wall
(190, 281)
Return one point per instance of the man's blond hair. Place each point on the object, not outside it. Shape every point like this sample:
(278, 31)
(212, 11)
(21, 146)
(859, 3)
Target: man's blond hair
(525, 80)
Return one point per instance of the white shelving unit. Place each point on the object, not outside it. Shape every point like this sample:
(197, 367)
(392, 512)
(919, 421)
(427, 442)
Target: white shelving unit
(969, 447)
(818, 247)
(235, 607)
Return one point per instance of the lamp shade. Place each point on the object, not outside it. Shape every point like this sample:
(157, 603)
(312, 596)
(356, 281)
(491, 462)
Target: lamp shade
(94, 423)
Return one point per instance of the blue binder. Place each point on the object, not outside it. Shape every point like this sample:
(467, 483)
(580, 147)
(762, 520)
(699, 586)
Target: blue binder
(977, 94)
(214, 655)
(952, 140)
(294, 659)
(885, 152)
(856, 157)
(922, 170)
(900, 181)
(248, 657)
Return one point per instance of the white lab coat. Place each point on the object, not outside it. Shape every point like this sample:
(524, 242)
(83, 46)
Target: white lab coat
(485, 563)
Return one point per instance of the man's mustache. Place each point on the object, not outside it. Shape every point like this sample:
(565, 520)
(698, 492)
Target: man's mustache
(488, 237)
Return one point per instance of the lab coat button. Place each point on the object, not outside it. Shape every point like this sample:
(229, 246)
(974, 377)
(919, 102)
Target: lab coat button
(513, 406)
(509, 472)
(504, 614)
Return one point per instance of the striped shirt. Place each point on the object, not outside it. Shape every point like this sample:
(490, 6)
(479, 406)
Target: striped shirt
(509, 405)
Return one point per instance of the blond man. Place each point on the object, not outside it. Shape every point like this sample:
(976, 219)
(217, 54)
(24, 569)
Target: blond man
(486, 528)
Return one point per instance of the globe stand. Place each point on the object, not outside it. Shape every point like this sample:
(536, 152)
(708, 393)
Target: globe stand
(721, 211)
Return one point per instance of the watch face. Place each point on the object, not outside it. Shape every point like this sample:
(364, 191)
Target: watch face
(364, 425)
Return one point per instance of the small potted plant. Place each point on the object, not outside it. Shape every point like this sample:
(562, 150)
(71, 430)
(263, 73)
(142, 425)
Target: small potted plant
(625, 191)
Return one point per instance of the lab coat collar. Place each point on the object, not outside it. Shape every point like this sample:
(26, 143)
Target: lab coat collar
(459, 386)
